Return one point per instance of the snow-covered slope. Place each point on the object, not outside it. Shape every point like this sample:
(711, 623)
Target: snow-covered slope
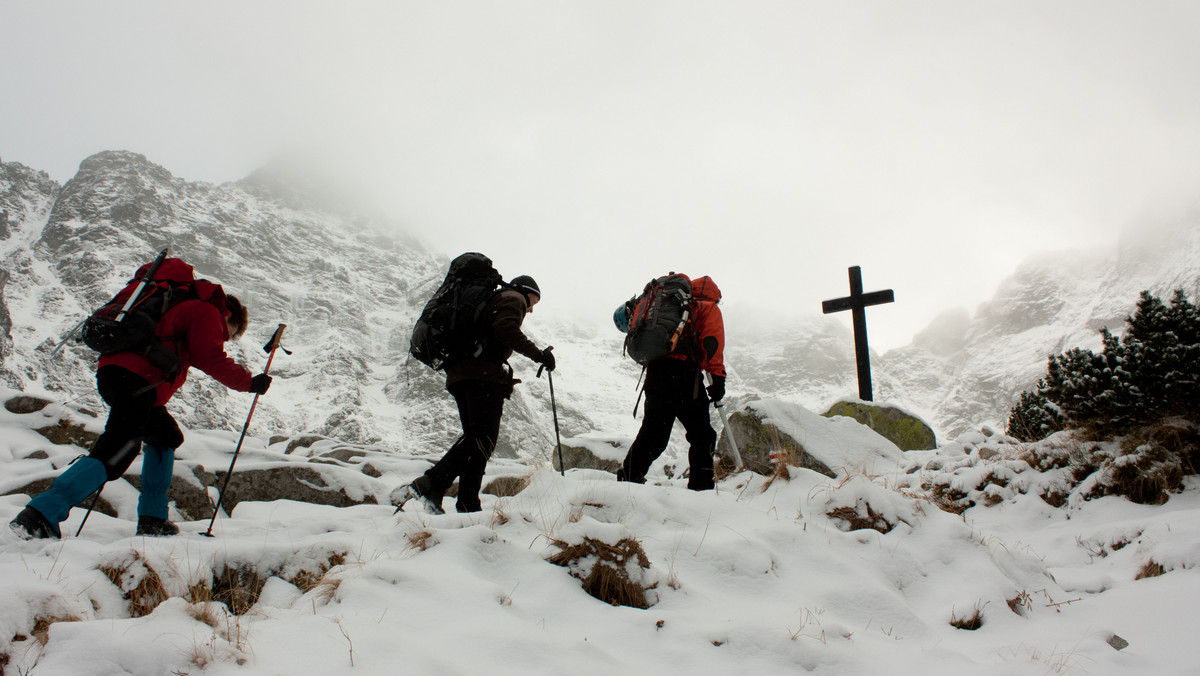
(760, 576)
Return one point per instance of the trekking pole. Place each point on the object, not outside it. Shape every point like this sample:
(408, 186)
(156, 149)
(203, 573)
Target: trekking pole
(562, 468)
(89, 509)
(737, 457)
(269, 348)
(162, 255)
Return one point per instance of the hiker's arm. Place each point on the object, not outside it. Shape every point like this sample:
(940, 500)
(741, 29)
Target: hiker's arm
(206, 348)
(506, 326)
(711, 328)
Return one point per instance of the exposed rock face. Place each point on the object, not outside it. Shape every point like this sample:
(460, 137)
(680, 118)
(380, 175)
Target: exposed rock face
(348, 286)
(907, 431)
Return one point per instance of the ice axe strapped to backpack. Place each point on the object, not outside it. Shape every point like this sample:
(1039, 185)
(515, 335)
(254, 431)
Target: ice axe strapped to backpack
(129, 321)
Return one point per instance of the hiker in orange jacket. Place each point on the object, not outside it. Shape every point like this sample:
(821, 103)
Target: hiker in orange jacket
(674, 390)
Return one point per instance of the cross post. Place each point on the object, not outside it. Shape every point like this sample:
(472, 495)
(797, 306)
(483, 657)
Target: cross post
(857, 303)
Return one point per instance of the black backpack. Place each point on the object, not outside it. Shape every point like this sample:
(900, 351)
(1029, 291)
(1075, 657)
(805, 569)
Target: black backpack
(659, 323)
(110, 331)
(448, 328)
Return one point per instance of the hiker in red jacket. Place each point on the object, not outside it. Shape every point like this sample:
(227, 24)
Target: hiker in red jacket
(137, 391)
(674, 390)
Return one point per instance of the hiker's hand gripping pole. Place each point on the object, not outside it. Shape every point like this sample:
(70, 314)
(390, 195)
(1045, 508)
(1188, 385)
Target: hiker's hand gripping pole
(269, 348)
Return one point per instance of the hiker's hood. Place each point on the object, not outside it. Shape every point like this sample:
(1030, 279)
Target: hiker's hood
(704, 288)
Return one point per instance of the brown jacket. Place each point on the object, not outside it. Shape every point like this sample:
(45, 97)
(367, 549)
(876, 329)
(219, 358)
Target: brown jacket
(502, 316)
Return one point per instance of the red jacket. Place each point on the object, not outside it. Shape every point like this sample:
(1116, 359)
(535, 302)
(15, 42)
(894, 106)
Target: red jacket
(708, 325)
(196, 329)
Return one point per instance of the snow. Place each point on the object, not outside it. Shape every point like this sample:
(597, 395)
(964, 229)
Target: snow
(755, 577)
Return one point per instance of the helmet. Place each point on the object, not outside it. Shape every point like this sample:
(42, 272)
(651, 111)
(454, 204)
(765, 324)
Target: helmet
(621, 318)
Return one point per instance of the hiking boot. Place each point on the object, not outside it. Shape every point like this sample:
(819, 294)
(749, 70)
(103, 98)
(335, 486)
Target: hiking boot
(422, 489)
(153, 526)
(30, 524)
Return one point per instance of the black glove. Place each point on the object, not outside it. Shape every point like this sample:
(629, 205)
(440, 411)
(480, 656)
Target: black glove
(547, 359)
(716, 391)
(260, 383)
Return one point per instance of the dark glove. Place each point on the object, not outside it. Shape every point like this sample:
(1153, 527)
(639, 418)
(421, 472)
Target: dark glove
(716, 391)
(547, 359)
(260, 383)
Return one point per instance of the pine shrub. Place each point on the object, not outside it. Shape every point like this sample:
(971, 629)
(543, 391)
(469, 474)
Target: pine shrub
(1143, 389)
(1151, 373)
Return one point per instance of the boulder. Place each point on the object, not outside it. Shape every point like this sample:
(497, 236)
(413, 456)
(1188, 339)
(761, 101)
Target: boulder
(757, 440)
(907, 431)
(582, 457)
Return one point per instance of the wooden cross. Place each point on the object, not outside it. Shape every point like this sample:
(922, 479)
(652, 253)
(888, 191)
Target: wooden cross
(857, 303)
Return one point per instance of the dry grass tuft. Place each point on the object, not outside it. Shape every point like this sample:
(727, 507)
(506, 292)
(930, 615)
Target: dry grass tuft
(969, 622)
(421, 540)
(146, 593)
(608, 580)
(307, 580)
(1151, 568)
(238, 587)
(858, 521)
(1020, 604)
(781, 470)
(41, 626)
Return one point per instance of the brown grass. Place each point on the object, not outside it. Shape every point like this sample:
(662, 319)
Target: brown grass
(1021, 603)
(1151, 568)
(145, 596)
(969, 622)
(781, 471)
(607, 580)
(307, 580)
(421, 540)
(856, 521)
(237, 587)
(41, 626)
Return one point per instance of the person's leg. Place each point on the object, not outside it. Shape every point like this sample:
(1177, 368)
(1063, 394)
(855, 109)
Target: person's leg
(701, 441)
(162, 437)
(480, 407)
(113, 451)
(658, 416)
(481, 429)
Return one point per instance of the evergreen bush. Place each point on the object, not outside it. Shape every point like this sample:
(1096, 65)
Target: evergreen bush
(1150, 374)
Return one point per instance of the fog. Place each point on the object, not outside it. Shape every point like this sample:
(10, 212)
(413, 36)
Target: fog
(593, 145)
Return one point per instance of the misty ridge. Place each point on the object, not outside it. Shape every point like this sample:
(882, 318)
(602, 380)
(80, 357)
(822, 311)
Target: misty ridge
(304, 249)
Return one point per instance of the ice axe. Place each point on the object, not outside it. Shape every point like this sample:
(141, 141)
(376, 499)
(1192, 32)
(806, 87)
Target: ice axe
(562, 468)
(737, 457)
(137, 293)
(269, 348)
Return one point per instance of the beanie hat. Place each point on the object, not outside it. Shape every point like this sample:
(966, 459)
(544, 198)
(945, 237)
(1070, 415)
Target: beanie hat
(525, 284)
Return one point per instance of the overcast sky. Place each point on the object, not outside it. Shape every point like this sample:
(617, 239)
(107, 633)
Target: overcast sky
(593, 145)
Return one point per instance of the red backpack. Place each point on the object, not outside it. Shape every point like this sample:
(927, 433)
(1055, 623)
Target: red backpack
(123, 326)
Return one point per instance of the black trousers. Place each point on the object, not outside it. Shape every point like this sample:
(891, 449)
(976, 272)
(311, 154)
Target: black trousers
(480, 407)
(132, 419)
(673, 393)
